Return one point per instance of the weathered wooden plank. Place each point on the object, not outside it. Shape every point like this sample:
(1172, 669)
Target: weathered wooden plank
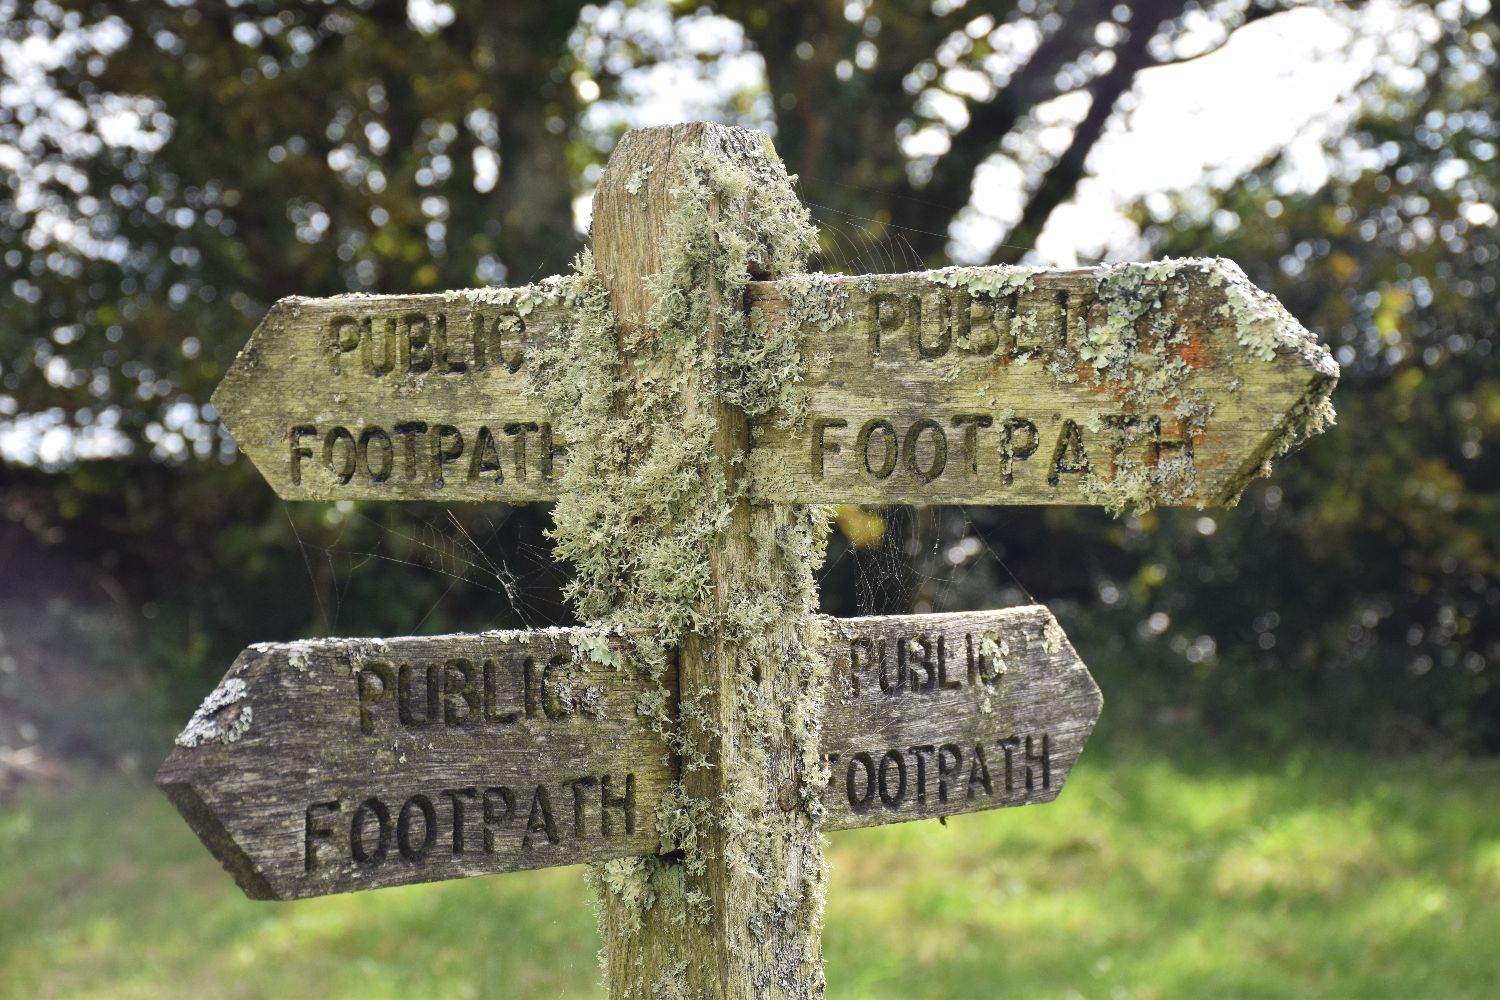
(400, 397)
(1135, 384)
(1169, 383)
(937, 715)
(345, 764)
(337, 765)
(738, 913)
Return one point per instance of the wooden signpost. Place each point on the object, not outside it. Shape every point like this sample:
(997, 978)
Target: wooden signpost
(346, 764)
(685, 396)
(332, 766)
(978, 385)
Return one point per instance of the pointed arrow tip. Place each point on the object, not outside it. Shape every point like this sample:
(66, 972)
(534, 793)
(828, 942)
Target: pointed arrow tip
(201, 818)
(1270, 334)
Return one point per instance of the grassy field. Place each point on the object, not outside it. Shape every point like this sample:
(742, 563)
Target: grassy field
(1159, 873)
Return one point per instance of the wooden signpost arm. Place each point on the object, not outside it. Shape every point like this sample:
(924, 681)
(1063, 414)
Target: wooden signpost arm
(737, 911)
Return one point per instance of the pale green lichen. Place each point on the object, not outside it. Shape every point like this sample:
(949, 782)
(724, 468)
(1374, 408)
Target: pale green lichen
(644, 502)
(993, 282)
(552, 291)
(595, 647)
(1131, 345)
(1261, 324)
(993, 648)
(633, 185)
(1052, 636)
(1149, 338)
(622, 880)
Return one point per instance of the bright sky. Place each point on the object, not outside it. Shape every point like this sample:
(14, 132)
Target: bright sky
(1284, 81)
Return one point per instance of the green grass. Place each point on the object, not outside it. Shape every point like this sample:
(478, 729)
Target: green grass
(1176, 873)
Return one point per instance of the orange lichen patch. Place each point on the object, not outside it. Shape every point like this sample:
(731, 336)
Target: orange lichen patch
(1194, 350)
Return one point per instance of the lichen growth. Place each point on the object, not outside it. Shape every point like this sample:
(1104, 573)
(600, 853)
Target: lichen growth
(1263, 326)
(633, 185)
(1131, 345)
(1052, 636)
(995, 281)
(994, 649)
(224, 717)
(556, 290)
(595, 647)
(646, 503)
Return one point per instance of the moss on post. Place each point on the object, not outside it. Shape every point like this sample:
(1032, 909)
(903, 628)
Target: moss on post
(659, 381)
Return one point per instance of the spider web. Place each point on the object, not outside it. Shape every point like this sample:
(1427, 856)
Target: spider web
(438, 568)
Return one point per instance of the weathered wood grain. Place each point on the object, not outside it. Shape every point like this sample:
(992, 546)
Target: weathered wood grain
(937, 715)
(1169, 383)
(759, 875)
(298, 769)
(399, 397)
(337, 765)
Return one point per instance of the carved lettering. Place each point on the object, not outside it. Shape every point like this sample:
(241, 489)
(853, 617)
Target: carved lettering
(492, 712)
(358, 846)
(422, 343)
(447, 446)
(970, 424)
(891, 798)
(486, 457)
(624, 803)
(416, 807)
(415, 825)
(920, 450)
(922, 754)
(418, 343)
(540, 820)
(861, 761)
(460, 700)
(1069, 457)
(902, 778)
(494, 818)
(299, 451)
(885, 432)
(1010, 451)
(316, 831)
(940, 321)
(821, 445)
(372, 681)
(410, 434)
(457, 692)
(428, 453)
(979, 773)
(377, 455)
(937, 460)
(458, 805)
(920, 664)
(949, 759)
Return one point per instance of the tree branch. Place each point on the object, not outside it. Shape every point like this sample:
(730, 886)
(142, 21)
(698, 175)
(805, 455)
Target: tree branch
(952, 177)
(1061, 181)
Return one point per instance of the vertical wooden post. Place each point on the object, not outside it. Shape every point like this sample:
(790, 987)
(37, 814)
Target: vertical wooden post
(738, 912)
